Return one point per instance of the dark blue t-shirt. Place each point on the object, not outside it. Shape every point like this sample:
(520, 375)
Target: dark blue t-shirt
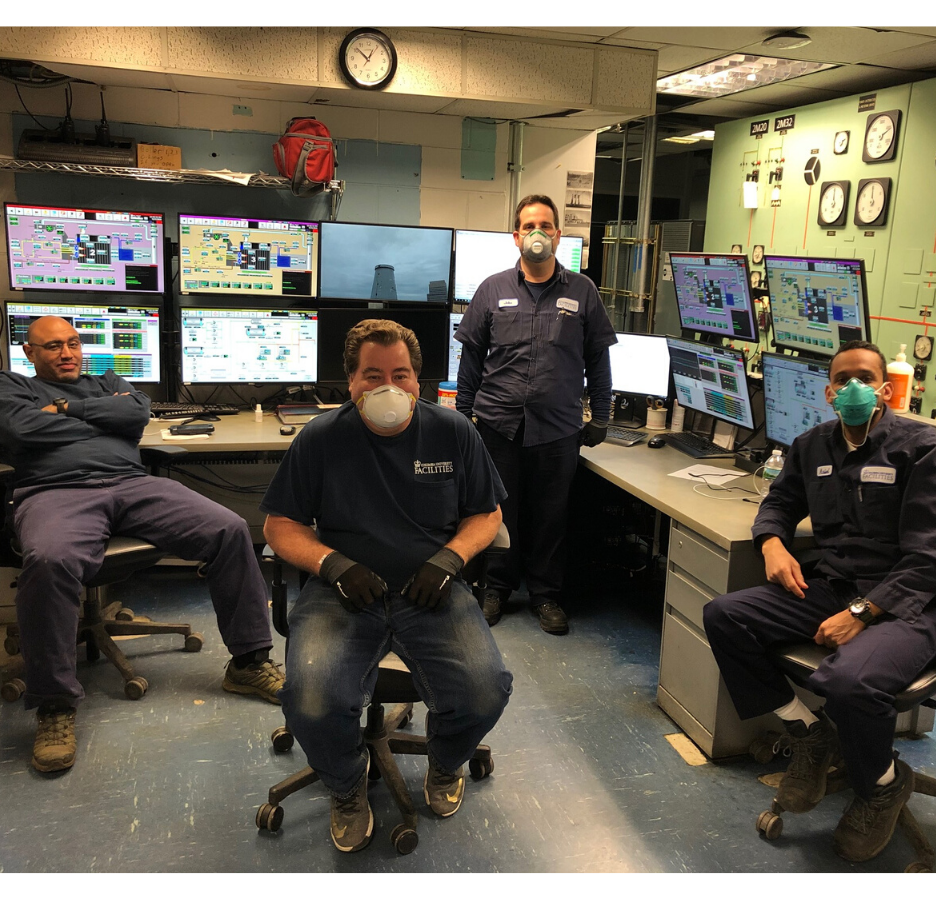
(386, 502)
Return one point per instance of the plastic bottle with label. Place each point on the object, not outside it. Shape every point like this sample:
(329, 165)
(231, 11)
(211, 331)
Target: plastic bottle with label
(679, 416)
(258, 413)
(772, 467)
(900, 375)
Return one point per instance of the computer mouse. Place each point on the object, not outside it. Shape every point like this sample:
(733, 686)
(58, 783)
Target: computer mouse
(656, 442)
(287, 429)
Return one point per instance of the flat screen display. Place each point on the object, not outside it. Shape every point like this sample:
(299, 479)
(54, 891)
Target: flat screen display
(257, 257)
(711, 380)
(794, 396)
(454, 347)
(640, 364)
(480, 254)
(817, 304)
(58, 248)
(253, 346)
(431, 327)
(713, 293)
(385, 262)
(123, 338)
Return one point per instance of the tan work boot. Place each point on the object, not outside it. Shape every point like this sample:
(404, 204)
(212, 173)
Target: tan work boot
(265, 679)
(55, 746)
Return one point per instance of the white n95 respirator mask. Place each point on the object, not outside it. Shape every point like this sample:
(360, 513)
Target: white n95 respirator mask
(537, 246)
(386, 406)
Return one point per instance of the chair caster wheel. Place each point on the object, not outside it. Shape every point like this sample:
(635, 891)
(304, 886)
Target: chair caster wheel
(480, 768)
(124, 615)
(405, 721)
(761, 750)
(770, 825)
(282, 739)
(13, 690)
(269, 817)
(11, 645)
(135, 688)
(194, 642)
(918, 866)
(404, 839)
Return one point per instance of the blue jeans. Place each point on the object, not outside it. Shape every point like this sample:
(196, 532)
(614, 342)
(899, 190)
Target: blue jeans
(331, 670)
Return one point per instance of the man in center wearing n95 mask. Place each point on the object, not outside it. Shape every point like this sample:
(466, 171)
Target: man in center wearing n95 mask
(866, 479)
(384, 500)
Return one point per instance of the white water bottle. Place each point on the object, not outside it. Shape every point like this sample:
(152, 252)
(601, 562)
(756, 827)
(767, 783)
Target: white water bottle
(679, 415)
(772, 467)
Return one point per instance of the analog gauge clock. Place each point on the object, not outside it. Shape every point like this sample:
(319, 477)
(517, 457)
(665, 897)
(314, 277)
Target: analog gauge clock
(923, 347)
(871, 204)
(840, 145)
(756, 279)
(757, 254)
(833, 203)
(880, 142)
(367, 59)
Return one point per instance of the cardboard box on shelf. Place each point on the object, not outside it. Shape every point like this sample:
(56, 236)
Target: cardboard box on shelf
(158, 156)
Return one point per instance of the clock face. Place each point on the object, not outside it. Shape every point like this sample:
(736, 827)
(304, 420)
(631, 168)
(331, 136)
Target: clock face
(368, 59)
(757, 254)
(880, 141)
(841, 142)
(923, 347)
(871, 204)
(833, 203)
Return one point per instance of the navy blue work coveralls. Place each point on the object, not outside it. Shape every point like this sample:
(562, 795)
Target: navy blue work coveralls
(526, 356)
(874, 520)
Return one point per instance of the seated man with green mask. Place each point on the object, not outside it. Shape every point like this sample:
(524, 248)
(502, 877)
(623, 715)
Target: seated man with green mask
(866, 481)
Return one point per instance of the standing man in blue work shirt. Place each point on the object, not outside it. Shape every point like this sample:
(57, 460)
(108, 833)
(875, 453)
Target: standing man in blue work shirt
(531, 337)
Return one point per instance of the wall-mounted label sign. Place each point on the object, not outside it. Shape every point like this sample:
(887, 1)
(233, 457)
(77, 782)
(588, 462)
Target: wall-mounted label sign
(830, 234)
(925, 313)
(814, 152)
(784, 123)
(870, 233)
(759, 129)
(866, 103)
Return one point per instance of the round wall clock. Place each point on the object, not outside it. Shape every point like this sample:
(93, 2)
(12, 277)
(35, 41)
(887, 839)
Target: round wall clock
(757, 254)
(871, 202)
(840, 145)
(833, 203)
(923, 347)
(367, 59)
(880, 141)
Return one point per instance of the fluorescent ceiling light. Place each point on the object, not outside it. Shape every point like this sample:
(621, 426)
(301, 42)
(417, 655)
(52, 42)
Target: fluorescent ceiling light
(732, 74)
(685, 139)
(705, 135)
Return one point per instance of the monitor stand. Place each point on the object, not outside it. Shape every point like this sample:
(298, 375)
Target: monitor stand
(625, 411)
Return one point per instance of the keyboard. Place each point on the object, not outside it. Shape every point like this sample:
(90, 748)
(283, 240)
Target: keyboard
(698, 447)
(162, 409)
(626, 436)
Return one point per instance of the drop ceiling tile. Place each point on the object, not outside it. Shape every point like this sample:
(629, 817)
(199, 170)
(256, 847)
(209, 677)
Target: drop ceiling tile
(922, 56)
(716, 38)
(840, 45)
(677, 59)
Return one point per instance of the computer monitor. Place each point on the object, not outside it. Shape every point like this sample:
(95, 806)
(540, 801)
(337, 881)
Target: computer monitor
(123, 338)
(265, 258)
(430, 325)
(817, 304)
(794, 396)
(454, 346)
(385, 262)
(253, 346)
(711, 380)
(640, 364)
(59, 248)
(479, 254)
(713, 293)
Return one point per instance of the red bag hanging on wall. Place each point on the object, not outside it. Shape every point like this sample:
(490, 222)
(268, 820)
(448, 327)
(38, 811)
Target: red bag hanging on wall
(305, 155)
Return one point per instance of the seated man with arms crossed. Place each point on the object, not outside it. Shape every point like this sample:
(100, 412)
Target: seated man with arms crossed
(867, 485)
(73, 442)
(384, 500)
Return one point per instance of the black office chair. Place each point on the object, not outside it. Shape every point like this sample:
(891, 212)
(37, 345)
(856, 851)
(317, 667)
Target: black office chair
(100, 622)
(382, 730)
(798, 662)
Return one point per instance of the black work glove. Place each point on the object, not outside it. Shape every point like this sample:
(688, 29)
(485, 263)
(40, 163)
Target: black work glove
(433, 582)
(593, 433)
(355, 584)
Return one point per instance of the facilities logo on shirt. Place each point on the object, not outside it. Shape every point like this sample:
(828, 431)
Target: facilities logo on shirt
(879, 475)
(433, 468)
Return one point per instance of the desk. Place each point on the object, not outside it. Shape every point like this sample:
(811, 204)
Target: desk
(710, 553)
(232, 434)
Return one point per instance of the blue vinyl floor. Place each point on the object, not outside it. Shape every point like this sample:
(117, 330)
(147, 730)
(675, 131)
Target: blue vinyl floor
(585, 779)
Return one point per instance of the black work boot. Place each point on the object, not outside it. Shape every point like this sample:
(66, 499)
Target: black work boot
(814, 751)
(867, 826)
(491, 606)
(551, 618)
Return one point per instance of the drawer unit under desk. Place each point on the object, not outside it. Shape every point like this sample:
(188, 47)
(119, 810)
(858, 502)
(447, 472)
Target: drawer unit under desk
(716, 568)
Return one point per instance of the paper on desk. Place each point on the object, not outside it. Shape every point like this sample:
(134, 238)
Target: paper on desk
(700, 472)
(166, 435)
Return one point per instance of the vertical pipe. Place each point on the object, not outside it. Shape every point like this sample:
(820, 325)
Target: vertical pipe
(620, 215)
(515, 169)
(644, 204)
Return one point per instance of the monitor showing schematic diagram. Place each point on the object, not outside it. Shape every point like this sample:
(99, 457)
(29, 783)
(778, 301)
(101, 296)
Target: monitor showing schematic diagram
(253, 346)
(711, 380)
(123, 338)
(713, 293)
(264, 258)
(794, 396)
(61, 248)
(817, 304)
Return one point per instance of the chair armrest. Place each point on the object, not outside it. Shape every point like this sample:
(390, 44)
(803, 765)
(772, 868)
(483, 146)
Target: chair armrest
(154, 457)
(5, 471)
(501, 542)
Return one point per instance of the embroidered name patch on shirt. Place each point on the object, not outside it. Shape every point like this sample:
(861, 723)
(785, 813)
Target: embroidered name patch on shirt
(823, 471)
(878, 475)
(510, 301)
(566, 303)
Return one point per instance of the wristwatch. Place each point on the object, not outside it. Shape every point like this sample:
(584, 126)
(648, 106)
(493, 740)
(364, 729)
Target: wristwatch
(60, 404)
(861, 610)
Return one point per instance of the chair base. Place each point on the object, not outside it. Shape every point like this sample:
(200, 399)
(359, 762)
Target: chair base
(769, 823)
(97, 628)
(383, 738)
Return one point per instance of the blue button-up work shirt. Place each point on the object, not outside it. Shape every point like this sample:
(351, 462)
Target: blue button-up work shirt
(527, 360)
